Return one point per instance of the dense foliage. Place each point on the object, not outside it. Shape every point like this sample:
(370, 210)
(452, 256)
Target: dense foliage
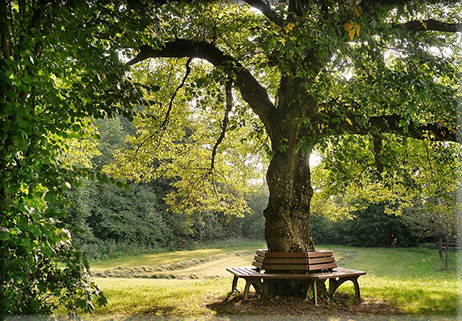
(369, 227)
(58, 68)
(107, 219)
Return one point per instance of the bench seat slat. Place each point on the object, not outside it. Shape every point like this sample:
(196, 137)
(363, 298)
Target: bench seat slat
(338, 272)
(246, 272)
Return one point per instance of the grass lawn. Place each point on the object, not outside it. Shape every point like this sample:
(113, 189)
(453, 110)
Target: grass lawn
(400, 283)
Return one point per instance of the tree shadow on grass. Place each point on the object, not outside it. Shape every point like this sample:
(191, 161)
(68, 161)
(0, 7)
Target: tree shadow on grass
(343, 306)
(153, 313)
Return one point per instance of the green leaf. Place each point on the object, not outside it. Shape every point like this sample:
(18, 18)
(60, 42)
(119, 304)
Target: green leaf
(4, 234)
(50, 196)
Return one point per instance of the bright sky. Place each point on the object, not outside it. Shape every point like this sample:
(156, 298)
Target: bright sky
(315, 159)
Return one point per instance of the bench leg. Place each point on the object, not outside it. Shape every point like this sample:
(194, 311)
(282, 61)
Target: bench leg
(246, 290)
(309, 290)
(257, 285)
(315, 288)
(313, 285)
(357, 292)
(234, 285)
(335, 283)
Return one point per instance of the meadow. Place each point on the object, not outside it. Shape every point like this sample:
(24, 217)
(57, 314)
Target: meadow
(401, 283)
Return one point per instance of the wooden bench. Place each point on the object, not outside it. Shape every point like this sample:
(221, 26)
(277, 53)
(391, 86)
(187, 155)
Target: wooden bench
(310, 266)
(453, 246)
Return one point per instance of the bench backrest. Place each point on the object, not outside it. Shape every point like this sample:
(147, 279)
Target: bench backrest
(296, 261)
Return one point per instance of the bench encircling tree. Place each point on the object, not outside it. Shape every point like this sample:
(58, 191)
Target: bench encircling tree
(311, 267)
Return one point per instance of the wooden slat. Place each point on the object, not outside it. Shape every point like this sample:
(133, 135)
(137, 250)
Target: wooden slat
(319, 254)
(261, 252)
(286, 267)
(259, 258)
(339, 272)
(286, 260)
(282, 276)
(249, 272)
(285, 254)
(257, 264)
(317, 267)
(244, 272)
(322, 260)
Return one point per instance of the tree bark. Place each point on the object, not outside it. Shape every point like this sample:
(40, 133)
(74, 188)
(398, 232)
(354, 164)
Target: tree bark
(440, 247)
(446, 254)
(287, 227)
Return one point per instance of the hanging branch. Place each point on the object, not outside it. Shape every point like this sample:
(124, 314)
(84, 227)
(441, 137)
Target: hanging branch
(251, 90)
(353, 123)
(160, 132)
(229, 106)
(170, 105)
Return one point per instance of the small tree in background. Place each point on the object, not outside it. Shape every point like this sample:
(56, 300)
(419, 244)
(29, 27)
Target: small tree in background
(436, 217)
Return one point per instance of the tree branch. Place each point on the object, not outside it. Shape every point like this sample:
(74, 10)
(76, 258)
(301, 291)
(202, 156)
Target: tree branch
(4, 31)
(421, 131)
(224, 125)
(252, 92)
(429, 25)
(266, 10)
(159, 133)
(392, 124)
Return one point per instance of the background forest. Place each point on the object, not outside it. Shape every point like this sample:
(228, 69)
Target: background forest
(109, 219)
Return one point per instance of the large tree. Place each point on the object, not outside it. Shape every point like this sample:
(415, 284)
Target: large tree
(323, 72)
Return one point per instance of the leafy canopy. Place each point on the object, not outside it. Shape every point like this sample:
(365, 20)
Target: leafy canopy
(361, 82)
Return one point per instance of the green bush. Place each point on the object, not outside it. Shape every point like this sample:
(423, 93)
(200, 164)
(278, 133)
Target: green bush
(370, 227)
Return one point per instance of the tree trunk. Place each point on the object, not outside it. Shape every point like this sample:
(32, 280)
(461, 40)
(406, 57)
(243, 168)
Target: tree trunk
(446, 254)
(287, 227)
(287, 216)
(440, 247)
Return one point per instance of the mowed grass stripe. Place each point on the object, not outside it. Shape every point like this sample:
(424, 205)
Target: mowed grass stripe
(165, 258)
